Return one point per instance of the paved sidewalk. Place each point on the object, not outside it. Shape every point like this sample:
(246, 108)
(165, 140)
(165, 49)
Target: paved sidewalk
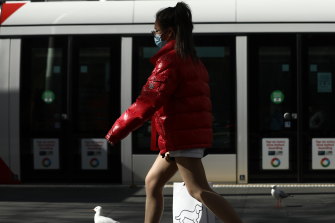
(73, 203)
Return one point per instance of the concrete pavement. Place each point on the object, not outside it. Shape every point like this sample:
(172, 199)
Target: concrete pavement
(73, 203)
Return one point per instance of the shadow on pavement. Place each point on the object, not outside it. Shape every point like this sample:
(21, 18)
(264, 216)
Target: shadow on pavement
(97, 194)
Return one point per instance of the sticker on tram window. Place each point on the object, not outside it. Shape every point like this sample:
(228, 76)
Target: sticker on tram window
(83, 69)
(94, 154)
(46, 154)
(277, 96)
(313, 68)
(56, 69)
(323, 153)
(285, 67)
(324, 82)
(48, 96)
(275, 153)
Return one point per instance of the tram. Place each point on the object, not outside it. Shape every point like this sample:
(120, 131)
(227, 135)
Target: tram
(68, 69)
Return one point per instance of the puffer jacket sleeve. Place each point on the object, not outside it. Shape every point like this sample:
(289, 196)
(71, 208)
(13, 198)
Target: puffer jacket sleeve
(158, 88)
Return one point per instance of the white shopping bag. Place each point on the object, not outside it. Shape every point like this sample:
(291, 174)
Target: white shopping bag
(186, 209)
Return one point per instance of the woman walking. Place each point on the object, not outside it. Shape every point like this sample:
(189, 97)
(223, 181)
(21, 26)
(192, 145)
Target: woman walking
(177, 98)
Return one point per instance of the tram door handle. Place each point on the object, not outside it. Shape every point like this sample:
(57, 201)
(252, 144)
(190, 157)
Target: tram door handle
(64, 116)
(290, 116)
(287, 116)
(294, 116)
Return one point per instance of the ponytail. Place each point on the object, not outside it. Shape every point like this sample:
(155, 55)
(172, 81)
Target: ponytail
(179, 18)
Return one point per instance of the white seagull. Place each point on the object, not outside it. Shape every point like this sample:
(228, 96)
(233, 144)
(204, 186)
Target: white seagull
(279, 195)
(98, 218)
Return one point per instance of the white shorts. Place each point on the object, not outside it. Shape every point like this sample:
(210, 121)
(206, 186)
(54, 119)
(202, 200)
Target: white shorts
(191, 153)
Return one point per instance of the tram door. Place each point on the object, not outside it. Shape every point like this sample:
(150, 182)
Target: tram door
(291, 107)
(69, 97)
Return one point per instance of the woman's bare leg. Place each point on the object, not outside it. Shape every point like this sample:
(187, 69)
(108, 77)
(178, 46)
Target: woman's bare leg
(159, 174)
(193, 174)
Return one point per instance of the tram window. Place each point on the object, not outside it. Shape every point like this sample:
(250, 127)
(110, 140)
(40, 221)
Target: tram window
(143, 50)
(320, 55)
(218, 55)
(44, 69)
(58, 85)
(96, 67)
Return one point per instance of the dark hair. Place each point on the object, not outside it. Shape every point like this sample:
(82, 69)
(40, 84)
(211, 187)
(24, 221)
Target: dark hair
(179, 18)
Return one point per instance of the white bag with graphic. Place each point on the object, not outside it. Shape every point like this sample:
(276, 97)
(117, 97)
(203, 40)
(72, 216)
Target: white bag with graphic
(186, 209)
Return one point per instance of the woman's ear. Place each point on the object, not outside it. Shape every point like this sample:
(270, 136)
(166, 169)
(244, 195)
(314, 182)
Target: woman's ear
(170, 34)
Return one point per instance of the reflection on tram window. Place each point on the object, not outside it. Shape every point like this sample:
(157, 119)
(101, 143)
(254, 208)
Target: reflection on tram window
(93, 92)
(44, 64)
(68, 83)
(317, 118)
(321, 105)
(143, 51)
(274, 89)
(219, 60)
(96, 83)
(219, 63)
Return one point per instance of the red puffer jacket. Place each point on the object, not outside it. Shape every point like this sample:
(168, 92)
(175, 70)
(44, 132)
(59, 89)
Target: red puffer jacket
(177, 98)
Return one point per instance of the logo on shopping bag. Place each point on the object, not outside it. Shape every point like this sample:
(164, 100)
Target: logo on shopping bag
(190, 216)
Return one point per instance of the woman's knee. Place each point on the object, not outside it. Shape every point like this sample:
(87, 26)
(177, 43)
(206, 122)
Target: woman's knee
(152, 184)
(195, 193)
(199, 193)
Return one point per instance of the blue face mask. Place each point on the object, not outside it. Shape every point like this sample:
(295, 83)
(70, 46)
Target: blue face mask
(158, 40)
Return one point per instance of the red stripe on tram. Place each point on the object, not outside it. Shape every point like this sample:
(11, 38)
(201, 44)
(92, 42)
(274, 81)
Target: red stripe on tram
(8, 9)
